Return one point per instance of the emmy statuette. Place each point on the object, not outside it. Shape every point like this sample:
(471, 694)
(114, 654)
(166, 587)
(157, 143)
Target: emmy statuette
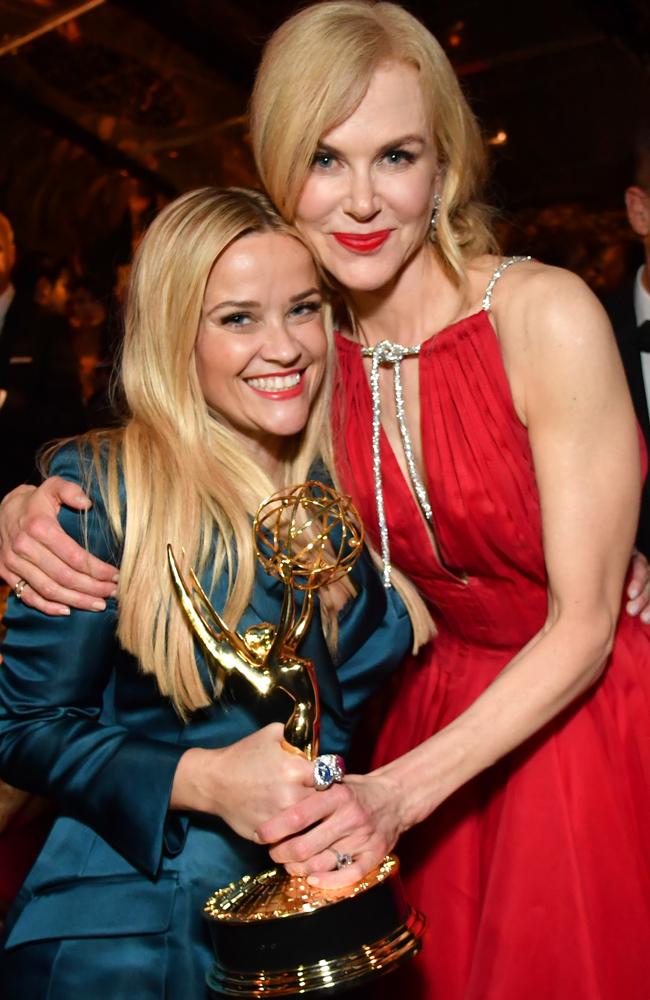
(273, 934)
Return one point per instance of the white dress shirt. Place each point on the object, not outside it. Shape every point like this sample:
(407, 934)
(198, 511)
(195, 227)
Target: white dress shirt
(5, 301)
(642, 310)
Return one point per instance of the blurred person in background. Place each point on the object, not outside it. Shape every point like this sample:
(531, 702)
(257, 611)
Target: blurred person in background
(629, 312)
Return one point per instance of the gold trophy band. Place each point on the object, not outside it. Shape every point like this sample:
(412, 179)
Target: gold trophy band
(274, 934)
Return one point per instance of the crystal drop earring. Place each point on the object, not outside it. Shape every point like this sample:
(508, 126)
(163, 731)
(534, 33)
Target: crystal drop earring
(437, 201)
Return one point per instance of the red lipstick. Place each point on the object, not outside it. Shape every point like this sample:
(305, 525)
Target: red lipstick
(362, 242)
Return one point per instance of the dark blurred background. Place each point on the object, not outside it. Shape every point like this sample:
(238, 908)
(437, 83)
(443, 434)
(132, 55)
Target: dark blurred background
(110, 107)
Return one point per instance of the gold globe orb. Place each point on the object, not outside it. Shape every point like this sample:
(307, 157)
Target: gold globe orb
(308, 535)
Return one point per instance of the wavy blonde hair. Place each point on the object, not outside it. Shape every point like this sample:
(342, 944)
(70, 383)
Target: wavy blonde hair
(185, 472)
(314, 73)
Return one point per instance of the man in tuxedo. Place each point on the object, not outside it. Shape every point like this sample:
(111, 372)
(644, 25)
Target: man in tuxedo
(629, 311)
(40, 399)
(40, 393)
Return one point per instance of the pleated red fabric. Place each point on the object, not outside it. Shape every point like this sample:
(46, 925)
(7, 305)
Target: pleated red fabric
(534, 877)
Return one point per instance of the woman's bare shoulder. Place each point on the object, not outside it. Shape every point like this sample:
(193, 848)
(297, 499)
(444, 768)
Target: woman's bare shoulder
(547, 320)
(533, 299)
(531, 281)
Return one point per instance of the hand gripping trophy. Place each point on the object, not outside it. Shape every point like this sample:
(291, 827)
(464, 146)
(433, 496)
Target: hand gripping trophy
(273, 934)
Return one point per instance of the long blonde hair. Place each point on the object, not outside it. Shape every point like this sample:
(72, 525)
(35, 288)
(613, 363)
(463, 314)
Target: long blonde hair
(314, 73)
(184, 471)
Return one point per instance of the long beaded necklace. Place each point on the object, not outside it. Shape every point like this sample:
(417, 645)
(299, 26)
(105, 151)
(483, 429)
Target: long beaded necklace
(386, 352)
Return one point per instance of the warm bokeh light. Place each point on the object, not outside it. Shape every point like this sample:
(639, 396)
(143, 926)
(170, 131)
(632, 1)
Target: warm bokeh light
(455, 38)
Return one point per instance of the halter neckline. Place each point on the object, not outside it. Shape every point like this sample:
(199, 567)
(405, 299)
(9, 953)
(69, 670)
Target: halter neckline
(388, 353)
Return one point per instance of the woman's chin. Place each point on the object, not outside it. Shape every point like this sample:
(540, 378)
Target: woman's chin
(366, 275)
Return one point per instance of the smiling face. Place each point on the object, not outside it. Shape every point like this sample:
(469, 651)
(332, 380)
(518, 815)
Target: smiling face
(366, 205)
(261, 348)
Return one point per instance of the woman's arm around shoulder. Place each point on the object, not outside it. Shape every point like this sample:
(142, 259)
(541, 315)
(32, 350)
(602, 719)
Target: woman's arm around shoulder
(58, 573)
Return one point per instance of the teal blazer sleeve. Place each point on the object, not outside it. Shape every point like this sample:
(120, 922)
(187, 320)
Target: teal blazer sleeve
(54, 740)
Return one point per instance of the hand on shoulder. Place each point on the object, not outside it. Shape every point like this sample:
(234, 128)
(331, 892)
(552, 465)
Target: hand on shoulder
(58, 572)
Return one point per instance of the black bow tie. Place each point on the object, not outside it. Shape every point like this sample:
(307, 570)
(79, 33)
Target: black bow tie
(642, 336)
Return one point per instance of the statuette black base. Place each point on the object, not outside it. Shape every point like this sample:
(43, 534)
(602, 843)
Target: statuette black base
(274, 935)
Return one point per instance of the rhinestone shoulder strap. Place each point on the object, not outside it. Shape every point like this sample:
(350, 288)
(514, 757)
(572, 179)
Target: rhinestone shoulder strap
(501, 269)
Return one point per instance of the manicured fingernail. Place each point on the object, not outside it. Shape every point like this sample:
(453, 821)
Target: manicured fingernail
(313, 880)
(113, 593)
(63, 611)
(632, 608)
(645, 617)
(99, 605)
(634, 591)
(83, 500)
(115, 578)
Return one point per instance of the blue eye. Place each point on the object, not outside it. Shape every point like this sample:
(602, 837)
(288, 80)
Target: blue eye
(235, 319)
(396, 157)
(322, 159)
(307, 308)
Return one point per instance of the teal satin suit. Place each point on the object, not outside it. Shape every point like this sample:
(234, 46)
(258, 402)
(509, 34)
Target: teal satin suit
(112, 906)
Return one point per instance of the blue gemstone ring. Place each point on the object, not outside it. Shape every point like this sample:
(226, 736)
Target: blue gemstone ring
(328, 768)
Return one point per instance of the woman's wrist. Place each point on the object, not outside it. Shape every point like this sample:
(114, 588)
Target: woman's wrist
(405, 794)
(424, 777)
(194, 787)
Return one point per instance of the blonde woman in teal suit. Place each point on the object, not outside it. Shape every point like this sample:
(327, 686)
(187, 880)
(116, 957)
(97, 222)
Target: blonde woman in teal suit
(161, 779)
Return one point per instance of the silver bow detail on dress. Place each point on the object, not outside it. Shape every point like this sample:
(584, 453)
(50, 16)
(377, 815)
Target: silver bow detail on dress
(387, 353)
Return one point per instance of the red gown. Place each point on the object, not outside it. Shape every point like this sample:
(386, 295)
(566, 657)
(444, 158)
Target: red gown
(535, 876)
